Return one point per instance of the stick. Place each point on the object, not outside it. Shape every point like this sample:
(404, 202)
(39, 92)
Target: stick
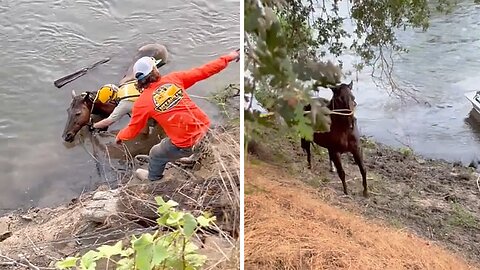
(30, 265)
(71, 77)
(22, 262)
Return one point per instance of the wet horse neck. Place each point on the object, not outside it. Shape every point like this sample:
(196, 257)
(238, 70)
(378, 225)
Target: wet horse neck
(101, 109)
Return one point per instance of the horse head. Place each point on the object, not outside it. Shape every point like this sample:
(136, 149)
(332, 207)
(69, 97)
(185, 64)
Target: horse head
(342, 98)
(78, 115)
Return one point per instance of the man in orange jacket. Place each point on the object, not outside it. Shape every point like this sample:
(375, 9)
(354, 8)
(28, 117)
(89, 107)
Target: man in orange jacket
(164, 98)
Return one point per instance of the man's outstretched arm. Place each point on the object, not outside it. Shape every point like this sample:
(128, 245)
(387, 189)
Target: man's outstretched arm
(190, 77)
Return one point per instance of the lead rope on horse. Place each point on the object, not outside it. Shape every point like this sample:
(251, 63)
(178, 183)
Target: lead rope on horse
(338, 112)
(94, 153)
(341, 111)
(93, 106)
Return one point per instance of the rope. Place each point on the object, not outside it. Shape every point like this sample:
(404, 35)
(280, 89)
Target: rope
(338, 112)
(195, 96)
(88, 152)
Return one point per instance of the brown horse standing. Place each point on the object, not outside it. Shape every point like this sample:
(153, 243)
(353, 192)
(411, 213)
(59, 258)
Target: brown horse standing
(343, 135)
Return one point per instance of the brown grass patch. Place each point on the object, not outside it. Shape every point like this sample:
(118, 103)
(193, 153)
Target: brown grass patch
(287, 226)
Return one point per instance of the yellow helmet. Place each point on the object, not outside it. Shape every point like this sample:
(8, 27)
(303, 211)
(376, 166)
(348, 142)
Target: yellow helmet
(107, 93)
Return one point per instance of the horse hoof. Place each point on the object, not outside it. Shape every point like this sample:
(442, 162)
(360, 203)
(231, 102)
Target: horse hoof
(365, 194)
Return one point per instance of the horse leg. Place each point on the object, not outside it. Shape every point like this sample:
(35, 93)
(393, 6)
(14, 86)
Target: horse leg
(306, 147)
(357, 155)
(335, 157)
(332, 168)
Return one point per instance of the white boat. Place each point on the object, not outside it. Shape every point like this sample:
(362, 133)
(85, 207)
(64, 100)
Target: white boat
(474, 98)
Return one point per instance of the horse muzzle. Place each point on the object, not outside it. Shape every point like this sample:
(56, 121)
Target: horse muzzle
(69, 137)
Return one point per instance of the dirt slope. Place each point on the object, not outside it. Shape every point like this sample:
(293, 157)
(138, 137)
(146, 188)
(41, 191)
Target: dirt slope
(289, 226)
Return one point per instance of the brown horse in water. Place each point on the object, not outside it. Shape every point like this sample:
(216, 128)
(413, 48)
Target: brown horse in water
(82, 106)
(80, 110)
(343, 135)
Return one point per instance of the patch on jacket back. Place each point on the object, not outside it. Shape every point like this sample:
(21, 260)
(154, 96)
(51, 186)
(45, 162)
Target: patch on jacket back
(166, 97)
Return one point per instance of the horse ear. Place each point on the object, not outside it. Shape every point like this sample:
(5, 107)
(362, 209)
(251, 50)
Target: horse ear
(351, 84)
(87, 95)
(73, 94)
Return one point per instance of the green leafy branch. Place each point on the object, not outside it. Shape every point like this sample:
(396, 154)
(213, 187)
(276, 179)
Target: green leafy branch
(160, 251)
(274, 80)
(287, 42)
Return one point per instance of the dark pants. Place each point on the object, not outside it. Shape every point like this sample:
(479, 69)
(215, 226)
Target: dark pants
(161, 154)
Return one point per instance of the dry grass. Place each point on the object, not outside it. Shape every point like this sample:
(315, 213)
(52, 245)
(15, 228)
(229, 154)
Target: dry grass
(287, 226)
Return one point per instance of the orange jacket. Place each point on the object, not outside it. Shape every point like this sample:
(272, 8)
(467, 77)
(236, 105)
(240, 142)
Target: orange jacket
(168, 103)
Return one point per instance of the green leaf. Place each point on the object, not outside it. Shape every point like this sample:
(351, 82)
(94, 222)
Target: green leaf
(144, 240)
(160, 253)
(125, 264)
(159, 200)
(164, 209)
(162, 221)
(106, 251)
(204, 222)
(174, 218)
(127, 252)
(303, 127)
(67, 263)
(190, 225)
(167, 239)
(88, 260)
(190, 248)
(174, 263)
(196, 259)
(144, 251)
(172, 203)
(165, 206)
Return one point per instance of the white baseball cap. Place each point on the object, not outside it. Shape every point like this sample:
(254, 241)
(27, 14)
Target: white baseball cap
(143, 67)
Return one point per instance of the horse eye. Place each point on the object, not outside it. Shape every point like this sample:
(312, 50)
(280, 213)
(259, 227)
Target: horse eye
(78, 113)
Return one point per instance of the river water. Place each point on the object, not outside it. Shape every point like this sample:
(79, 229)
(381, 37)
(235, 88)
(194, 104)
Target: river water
(442, 64)
(45, 40)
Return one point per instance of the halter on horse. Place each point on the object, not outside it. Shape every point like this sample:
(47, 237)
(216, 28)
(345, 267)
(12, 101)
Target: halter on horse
(80, 111)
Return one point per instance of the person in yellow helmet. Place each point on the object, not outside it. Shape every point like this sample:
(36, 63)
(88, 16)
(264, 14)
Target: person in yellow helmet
(124, 96)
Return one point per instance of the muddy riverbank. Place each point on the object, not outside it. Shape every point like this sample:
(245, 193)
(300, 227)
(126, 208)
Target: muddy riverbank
(435, 199)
